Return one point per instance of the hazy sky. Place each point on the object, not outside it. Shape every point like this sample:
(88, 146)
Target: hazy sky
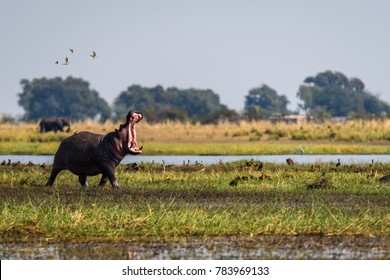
(227, 46)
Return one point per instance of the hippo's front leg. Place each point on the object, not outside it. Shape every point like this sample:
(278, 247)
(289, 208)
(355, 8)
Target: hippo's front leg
(109, 173)
(114, 183)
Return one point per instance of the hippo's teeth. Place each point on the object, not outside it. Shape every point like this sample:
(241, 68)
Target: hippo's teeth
(135, 150)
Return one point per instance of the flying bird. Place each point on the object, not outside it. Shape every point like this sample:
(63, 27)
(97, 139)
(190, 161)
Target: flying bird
(71, 50)
(66, 61)
(93, 55)
(56, 62)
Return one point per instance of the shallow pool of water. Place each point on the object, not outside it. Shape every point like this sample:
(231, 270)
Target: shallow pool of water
(260, 247)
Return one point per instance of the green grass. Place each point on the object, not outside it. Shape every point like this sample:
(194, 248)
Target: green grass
(202, 201)
(261, 148)
(195, 201)
(214, 148)
(257, 138)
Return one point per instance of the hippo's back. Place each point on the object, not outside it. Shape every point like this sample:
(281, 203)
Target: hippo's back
(79, 153)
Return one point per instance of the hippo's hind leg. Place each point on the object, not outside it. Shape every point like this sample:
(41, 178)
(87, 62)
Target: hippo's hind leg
(53, 175)
(83, 181)
(103, 181)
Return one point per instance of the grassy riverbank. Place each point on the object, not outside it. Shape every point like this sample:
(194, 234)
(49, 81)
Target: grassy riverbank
(205, 201)
(249, 138)
(212, 148)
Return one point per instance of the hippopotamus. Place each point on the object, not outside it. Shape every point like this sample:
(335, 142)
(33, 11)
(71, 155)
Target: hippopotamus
(89, 154)
(53, 124)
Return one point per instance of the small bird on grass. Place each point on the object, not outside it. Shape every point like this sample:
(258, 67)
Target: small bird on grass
(290, 161)
(321, 183)
(249, 163)
(235, 181)
(259, 165)
(385, 179)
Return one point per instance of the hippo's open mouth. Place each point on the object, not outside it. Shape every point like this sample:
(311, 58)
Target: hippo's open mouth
(132, 136)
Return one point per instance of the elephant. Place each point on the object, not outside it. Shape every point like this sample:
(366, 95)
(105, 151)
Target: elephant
(89, 154)
(53, 124)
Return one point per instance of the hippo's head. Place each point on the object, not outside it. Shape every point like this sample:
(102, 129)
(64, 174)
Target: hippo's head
(127, 133)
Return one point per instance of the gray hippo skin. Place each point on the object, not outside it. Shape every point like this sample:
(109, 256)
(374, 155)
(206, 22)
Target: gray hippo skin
(89, 154)
(53, 124)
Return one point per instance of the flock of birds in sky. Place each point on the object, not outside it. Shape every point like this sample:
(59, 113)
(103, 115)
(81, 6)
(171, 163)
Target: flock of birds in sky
(93, 55)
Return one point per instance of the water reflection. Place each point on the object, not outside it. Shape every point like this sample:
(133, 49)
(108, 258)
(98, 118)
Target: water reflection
(263, 247)
(214, 159)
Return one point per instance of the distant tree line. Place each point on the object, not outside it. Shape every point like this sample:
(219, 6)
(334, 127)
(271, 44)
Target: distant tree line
(160, 104)
(328, 94)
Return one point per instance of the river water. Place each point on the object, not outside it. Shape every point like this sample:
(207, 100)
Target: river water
(214, 159)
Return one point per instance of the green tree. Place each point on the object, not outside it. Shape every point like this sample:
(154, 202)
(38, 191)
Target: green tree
(263, 101)
(146, 100)
(159, 104)
(70, 98)
(339, 96)
(173, 114)
(198, 103)
(222, 115)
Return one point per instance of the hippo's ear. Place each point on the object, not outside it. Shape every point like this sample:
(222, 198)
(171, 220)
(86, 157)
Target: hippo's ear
(122, 126)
